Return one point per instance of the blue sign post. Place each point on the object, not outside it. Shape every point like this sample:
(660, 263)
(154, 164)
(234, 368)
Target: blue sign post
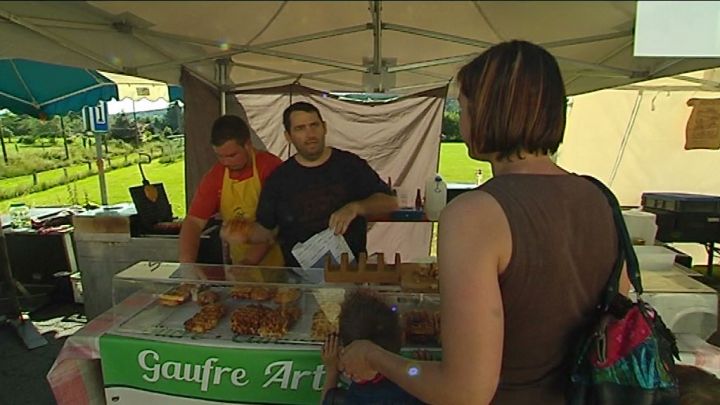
(97, 120)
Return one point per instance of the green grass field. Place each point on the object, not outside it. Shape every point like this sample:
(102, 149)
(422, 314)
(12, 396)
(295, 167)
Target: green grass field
(455, 167)
(171, 175)
(47, 176)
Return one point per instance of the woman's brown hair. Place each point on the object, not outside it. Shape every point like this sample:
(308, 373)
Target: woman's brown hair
(516, 100)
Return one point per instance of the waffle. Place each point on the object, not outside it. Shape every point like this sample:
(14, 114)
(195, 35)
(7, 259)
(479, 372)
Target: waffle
(206, 319)
(207, 297)
(287, 295)
(259, 320)
(321, 326)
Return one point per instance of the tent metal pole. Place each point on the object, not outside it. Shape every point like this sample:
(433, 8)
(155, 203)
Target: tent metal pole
(64, 137)
(345, 85)
(2, 142)
(436, 35)
(626, 138)
(101, 168)
(72, 46)
(481, 44)
(704, 82)
(236, 49)
(221, 71)
(665, 66)
(585, 40)
(375, 10)
(432, 62)
(285, 72)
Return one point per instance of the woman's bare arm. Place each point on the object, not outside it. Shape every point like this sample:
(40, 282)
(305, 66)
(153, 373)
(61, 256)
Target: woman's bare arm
(474, 247)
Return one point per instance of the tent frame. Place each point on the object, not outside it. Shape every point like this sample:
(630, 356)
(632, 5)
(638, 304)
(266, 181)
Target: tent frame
(375, 67)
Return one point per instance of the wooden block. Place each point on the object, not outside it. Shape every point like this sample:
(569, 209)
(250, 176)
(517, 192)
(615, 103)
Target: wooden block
(345, 262)
(362, 262)
(362, 272)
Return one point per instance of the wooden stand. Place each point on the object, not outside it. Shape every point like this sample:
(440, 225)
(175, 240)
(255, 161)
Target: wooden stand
(364, 272)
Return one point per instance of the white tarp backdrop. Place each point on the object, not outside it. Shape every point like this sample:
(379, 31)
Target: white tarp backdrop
(399, 139)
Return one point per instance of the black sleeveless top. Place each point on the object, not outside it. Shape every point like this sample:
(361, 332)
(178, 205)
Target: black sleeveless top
(563, 250)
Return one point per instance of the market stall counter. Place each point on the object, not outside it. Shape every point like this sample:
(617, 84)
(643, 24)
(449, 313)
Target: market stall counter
(219, 334)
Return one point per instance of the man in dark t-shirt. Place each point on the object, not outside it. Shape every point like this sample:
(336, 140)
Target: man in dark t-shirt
(318, 188)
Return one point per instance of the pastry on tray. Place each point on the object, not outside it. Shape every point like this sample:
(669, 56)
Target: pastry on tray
(262, 293)
(260, 320)
(246, 320)
(207, 297)
(177, 295)
(287, 295)
(321, 326)
(241, 292)
(273, 325)
(206, 319)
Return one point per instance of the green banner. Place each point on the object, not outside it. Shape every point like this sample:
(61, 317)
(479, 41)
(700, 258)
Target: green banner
(222, 374)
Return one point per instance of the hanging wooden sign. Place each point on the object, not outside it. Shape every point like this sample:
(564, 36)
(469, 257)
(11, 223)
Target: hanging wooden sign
(703, 127)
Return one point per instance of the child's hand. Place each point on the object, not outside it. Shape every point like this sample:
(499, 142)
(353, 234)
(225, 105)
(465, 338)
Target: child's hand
(330, 352)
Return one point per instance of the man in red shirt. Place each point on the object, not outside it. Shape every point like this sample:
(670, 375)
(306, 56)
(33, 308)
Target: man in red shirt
(232, 189)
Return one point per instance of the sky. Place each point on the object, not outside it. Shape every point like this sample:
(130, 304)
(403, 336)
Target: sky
(126, 105)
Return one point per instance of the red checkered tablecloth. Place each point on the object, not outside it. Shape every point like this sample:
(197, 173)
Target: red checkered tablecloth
(76, 377)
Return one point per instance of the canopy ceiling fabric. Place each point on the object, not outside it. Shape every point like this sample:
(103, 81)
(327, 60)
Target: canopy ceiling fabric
(632, 138)
(339, 46)
(44, 89)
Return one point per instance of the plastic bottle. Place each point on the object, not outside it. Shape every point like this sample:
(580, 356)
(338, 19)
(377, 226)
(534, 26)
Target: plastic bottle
(435, 197)
(20, 216)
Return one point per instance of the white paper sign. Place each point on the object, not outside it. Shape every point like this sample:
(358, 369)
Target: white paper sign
(312, 251)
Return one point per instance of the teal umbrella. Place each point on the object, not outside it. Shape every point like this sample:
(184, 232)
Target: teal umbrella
(43, 89)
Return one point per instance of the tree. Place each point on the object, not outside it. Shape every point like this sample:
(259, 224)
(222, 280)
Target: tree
(451, 127)
(121, 128)
(174, 117)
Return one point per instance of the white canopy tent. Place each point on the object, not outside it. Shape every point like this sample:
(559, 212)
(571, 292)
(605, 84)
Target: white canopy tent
(633, 137)
(396, 46)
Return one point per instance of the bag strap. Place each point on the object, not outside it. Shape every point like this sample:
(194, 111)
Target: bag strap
(626, 253)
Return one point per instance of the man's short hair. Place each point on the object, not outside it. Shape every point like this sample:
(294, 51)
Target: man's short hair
(299, 106)
(516, 100)
(364, 315)
(229, 127)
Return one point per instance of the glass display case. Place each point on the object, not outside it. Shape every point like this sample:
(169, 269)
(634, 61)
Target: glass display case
(265, 305)
(229, 334)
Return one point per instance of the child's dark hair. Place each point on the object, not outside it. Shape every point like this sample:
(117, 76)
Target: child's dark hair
(697, 386)
(364, 315)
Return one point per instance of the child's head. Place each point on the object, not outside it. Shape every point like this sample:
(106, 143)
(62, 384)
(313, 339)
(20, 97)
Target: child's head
(697, 386)
(364, 315)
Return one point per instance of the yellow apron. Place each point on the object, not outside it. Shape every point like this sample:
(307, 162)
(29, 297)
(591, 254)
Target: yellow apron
(239, 198)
